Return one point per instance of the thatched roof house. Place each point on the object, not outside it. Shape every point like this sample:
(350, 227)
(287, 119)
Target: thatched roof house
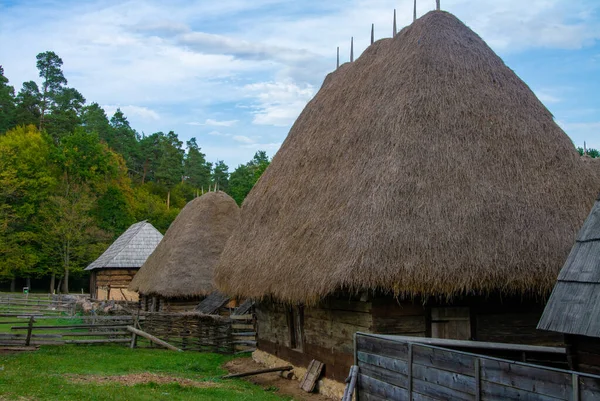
(180, 270)
(112, 272)
(425, 169)
(574, 306)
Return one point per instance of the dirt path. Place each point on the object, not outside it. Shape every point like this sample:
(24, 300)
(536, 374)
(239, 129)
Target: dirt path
(272, 380)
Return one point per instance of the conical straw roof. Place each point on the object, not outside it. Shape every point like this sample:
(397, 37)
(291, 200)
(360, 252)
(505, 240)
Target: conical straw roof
(183, 263)
(426, 167)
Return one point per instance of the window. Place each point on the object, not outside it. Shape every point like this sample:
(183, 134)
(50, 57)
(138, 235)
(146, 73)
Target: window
(451, 323)
(295, 318)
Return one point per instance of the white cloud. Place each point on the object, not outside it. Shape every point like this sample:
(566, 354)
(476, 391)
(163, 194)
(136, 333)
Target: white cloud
(217, 123)
(130, 110)
(217, 133)
(243, 139)
(278, 103)
(269, 147)
(546, 97)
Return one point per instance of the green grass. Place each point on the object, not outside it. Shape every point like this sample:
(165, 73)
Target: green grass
(45, 375)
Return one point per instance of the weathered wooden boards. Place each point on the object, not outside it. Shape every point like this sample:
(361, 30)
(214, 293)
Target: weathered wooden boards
(351, 384)
(408, 370)
(313, 372)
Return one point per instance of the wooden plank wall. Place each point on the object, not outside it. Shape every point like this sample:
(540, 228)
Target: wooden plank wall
(400, 370)
(328, 330)
(584, 353)
(113, 283)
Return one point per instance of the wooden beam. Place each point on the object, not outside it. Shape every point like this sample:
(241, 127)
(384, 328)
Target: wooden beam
(258, 372)
(372, 33)
(415, 11)
(153, 339)
(395, 30)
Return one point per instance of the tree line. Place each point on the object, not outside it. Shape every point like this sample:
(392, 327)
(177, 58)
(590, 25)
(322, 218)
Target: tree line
(72, 179)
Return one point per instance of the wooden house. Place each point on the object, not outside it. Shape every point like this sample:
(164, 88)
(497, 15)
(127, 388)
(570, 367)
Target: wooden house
(179, 273)
(574, 306)
(112, 272)
(424, 191)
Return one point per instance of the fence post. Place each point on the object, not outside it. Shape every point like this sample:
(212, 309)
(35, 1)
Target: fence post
(477, 379)
(29, 329)
(575, 378)
(410, 363)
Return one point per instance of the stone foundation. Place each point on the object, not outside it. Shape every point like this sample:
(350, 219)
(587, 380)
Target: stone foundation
(329, 388)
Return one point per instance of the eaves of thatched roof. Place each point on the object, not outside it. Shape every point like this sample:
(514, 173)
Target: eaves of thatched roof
(426, 167)
(574, 306)
(131, 249)
(182, 264)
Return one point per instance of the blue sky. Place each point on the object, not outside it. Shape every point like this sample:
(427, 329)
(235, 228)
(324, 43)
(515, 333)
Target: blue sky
(236, 73)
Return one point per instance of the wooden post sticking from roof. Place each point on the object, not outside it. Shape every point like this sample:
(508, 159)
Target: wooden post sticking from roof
(437, 5)
(415, 11)
(394, 35)
(352, 49)
(584, 149)
(372, 33)
(337, 65)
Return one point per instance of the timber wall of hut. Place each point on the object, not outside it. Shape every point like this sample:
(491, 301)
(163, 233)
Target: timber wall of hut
(111, 284)
(325, 332)
(583, 353)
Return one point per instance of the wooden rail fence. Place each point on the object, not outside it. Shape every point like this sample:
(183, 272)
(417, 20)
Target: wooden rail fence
(397, 368)
(188, 331)
(30, 304)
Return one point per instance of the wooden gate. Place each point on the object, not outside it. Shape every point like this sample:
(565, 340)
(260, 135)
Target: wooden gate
(400, 368)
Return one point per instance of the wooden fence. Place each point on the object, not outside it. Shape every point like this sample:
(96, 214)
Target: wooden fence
(35, 304)
(187, 331)
(198, 332)
(30, 331)
(399, 368)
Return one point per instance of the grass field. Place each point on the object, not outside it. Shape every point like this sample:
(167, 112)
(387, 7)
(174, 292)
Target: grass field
(115, 373)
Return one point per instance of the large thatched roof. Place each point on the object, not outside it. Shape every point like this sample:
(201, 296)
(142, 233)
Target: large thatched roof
(182, 264)
(426, 167)
(131, 249)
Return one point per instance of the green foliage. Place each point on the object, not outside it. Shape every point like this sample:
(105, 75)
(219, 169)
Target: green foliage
(122, 138)
(220, 176)
(7, 103)
(27, 107)
(169, 171)
(593, 153)
(196, 168)
(246, 175)
(49, 66)
(26, 180)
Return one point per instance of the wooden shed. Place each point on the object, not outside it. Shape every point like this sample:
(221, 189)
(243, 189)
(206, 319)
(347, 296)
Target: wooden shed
(112, 272)
(574, 306)
(424, 191)
(179, 273)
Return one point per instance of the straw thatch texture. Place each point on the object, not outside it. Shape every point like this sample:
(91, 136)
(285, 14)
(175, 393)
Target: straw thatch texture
(574, 306)
(425, 167)
(182, 265)
(131, 249)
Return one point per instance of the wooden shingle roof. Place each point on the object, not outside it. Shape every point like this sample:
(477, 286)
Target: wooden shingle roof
(131, 249)
(574, 306)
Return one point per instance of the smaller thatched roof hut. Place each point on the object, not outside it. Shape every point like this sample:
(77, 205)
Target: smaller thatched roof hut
(115, 268)
(182, 264)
